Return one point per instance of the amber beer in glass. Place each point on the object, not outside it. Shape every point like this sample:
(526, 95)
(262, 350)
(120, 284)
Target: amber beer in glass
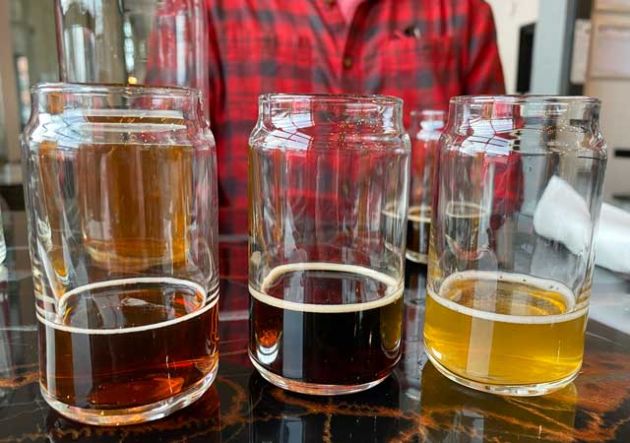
(511, 257)
(121, 200)
(328, 205)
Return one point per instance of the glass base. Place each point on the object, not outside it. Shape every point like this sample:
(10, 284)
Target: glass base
(416, 257)
(311, 388)
(134, 415)
(532, 390)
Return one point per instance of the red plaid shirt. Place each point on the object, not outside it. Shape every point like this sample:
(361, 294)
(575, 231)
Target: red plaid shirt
(424, 51)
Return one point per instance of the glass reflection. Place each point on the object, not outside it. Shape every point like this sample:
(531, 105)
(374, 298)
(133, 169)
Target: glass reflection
(200, 421)
(453, 413)
(413, 346)
(277, 415)
(7, 357)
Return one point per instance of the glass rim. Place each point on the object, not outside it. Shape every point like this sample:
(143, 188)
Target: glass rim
(371, 99)
(524, 99)
(109, 88)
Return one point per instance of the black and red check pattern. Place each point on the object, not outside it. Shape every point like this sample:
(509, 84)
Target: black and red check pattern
(424, 51)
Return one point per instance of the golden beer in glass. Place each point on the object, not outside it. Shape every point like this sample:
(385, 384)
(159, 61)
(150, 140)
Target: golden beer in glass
(511, 250)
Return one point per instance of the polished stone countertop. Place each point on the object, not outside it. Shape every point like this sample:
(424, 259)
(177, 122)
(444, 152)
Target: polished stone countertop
(414, 404)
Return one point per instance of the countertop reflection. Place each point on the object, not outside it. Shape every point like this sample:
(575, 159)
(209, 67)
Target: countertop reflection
(415, 404)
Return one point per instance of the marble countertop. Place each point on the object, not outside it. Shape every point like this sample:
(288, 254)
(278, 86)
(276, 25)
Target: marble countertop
(414, 404)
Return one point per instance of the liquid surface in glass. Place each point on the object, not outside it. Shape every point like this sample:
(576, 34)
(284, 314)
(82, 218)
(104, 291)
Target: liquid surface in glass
(418, 230)
(511, 329)
(126, 343)
(325, 323)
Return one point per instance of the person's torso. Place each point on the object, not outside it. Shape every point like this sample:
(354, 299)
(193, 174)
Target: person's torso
(406, 48)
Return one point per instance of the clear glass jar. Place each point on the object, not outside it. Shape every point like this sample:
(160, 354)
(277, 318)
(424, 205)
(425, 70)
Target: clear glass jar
(516, 206)
(121, 198)
(144, 42)
(328, 191)
(426, 129)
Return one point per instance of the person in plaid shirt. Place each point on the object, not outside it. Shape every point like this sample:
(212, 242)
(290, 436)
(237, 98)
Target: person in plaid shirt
(424, 51)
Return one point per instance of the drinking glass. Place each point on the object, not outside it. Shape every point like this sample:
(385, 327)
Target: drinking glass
(425, 131)
(156, 42)
(517, 200)
(3, 244)
(328, 181)
(121, 202)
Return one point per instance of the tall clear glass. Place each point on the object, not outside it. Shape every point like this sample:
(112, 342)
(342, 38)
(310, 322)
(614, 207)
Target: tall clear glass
(122, 216)
(3, 244)
(156, 42)
(426, 128)
(328, 208)
(517, 201)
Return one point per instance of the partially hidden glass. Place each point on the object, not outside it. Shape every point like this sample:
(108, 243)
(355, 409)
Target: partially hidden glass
(121, 202)
(517, 200)
(425, 131)
(156, 42)
(3, 244)
(328, 179)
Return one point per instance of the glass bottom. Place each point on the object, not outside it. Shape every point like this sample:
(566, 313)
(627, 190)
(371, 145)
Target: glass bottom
(311, 388)
(416, 257)
(531, 390)
(138, 414)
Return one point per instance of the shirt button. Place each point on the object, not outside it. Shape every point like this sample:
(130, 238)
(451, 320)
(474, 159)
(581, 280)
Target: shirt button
(347, 62)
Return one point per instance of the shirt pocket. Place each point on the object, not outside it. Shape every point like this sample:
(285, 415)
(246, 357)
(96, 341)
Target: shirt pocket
(423, 71)
(264, 62)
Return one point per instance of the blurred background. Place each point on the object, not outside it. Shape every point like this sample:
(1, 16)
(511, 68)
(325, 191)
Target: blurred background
(567, 47)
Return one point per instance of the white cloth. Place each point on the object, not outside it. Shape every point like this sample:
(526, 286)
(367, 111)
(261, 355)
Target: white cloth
(613, 239)
(562, 215)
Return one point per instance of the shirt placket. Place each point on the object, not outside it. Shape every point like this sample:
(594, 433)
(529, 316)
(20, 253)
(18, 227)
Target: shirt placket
(347, 60)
